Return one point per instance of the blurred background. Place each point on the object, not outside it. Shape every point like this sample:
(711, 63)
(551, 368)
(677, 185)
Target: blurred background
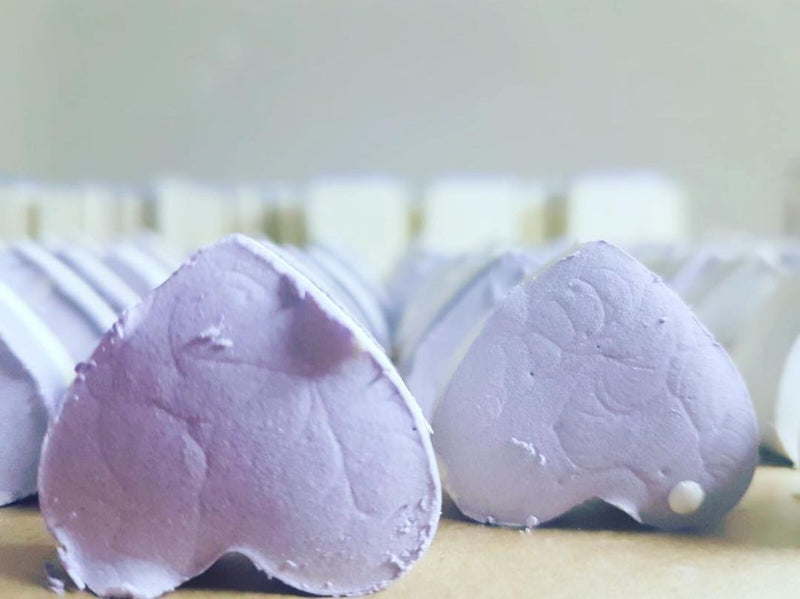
(397, 149)
(705, 94)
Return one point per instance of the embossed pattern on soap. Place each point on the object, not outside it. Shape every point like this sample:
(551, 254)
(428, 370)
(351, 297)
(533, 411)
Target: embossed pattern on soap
(616, 387)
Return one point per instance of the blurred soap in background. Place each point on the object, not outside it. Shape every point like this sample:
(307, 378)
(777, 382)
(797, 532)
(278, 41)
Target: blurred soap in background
(376, 125)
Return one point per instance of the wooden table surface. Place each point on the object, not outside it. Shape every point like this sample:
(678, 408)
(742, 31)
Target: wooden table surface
(590, 553)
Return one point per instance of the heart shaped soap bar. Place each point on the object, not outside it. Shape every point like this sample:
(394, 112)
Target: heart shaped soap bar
(594, 380)
(238, 409)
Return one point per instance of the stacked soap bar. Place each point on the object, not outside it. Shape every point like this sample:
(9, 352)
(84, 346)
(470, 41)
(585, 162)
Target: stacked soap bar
(746, 292)
(555, 376)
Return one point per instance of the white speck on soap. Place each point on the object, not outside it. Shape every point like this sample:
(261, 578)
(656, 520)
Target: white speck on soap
(405, 527)
(214, 334)
(397, 562)
(686, 497)
(530, 449)
(527, 446)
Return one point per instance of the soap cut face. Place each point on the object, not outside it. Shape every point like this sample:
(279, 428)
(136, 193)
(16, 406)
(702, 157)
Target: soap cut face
(237, 409)
(593, 380)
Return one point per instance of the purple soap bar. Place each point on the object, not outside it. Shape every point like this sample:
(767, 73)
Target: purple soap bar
(63, 300)
(428, 368)
(35, 369)
(114, 290)
(23, 421)
(238, 409)
(594, 380)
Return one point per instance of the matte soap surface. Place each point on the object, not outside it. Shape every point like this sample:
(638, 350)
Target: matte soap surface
(238, 409)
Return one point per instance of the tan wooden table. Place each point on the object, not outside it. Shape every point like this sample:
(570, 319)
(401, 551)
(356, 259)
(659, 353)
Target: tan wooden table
(755, 554)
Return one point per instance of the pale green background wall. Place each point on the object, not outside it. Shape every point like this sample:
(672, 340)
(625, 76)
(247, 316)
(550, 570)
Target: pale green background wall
(706, 90)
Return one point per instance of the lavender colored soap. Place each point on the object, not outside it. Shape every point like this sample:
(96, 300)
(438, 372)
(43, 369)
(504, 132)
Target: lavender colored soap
(35, 369)
(74, 312)
(428, 367)
(238, 409)
(594, 380)
(112, 288)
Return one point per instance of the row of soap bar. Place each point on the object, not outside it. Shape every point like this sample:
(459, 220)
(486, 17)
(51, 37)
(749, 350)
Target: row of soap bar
(745, 291)
(58, 299)
(242, 407)
(439, 297)
(375, 217)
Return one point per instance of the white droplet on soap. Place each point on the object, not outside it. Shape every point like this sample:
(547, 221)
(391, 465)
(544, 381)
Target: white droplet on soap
(686, 497)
